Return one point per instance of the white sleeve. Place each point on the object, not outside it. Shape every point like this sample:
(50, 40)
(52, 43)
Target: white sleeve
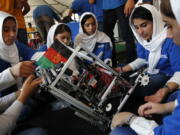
(136, 64)
(9, 117)
(143, 126)
(175, 78)
(6, 101)
(6, 79)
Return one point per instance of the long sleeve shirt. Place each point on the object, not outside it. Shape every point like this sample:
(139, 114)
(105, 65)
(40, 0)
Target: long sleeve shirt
(170, 126)
(9, 117)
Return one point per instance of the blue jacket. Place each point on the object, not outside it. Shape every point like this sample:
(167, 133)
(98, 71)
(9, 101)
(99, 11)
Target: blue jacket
(103, 48)
(171, 123)
(25, 53)
(170, 58)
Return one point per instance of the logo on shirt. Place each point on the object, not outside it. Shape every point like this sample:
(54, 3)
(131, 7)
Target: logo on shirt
(100, 46)
(164, 56)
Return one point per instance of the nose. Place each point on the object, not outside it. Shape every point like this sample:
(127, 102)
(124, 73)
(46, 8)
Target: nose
(66, 41)
(91, 26)
(140, 31)
(12, 33)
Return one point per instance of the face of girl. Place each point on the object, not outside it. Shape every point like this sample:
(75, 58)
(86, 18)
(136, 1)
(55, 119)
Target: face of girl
(64, 37)
(90, 26)
(173, 28)
(144, 28)
(9, 31)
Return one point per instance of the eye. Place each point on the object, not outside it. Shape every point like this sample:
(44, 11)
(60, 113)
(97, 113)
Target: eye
(136, 27)
(143, 25)
(94, 23)
(69, 39)
(168, 26)
(86, 25)
(5, 29)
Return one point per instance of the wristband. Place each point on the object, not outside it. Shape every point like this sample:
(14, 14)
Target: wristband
(130, 118)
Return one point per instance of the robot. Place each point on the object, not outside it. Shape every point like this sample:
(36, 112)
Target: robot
(96, 93)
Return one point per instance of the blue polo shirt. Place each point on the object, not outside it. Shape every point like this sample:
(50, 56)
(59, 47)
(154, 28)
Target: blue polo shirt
(97, 9)
(81, 6)
(112, 4)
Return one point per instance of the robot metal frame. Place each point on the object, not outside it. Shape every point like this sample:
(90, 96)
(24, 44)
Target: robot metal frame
(95, 114)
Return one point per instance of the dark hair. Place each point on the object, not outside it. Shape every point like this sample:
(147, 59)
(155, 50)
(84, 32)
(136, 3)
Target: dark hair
(141, 13)
(67, 19)
(10, 18)
(62, 28)
(166, 9)
(85, 18)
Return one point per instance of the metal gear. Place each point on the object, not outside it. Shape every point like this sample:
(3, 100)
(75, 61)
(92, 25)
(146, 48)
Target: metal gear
(108, 107)
(144, 79)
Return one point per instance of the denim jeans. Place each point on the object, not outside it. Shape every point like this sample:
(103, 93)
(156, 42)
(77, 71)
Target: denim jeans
(110, 19)
(43, 24)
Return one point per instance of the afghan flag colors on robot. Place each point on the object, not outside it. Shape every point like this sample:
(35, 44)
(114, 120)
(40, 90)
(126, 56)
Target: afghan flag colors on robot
(57, 53)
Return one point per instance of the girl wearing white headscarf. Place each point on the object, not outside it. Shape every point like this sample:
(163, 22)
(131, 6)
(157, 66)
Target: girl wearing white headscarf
(59, 29)
(62, 33)
(11, 53)
(97, 42)
(158, 52)
(141, 126)
(55, 29)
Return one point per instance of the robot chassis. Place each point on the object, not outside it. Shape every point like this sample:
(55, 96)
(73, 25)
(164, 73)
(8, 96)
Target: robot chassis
(93, 97)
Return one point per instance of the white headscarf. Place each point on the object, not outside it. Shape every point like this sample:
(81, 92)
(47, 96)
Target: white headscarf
(8, 53)
(176, 9)
(50, 36)
(50, 40)
(158, 37)
(90, 41)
